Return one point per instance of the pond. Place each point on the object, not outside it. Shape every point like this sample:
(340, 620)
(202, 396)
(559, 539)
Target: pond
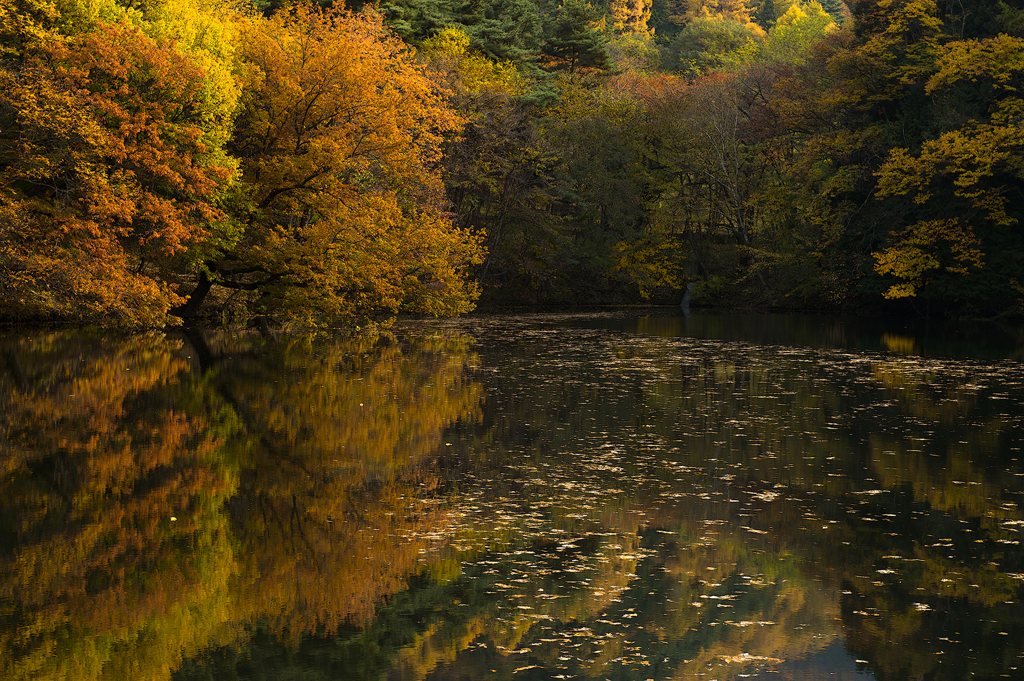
(599, 496)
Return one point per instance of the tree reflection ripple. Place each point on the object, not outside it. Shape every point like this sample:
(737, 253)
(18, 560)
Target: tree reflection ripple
(510, 498)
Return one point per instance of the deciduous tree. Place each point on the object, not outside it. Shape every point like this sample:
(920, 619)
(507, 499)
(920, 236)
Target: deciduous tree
(965, 182)
(706, 45)
(630, 16)
(110, 167)
(342, 213)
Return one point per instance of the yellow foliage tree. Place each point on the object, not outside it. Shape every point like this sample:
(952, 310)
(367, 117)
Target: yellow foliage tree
(793, 33)
(967, 171)
(342, 212)
(467, 71)
(630, 16)
(733, 10)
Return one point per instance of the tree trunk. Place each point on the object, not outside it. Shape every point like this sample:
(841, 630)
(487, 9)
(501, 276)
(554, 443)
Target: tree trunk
(195, 299)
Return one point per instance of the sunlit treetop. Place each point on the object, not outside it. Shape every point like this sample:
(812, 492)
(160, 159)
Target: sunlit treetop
(449, 49)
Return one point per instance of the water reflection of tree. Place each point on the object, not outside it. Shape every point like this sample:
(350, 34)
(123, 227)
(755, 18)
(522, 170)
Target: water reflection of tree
(115, 554)
(934, 555)
(301, 477)
(160, 494)
(813, 429)
(487, 624)
(337, 502)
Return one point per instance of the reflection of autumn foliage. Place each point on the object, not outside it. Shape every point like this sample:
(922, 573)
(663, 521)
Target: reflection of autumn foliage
(967, 483)
(920, 564)
(119, 558)
(922, 395)
(100, 461)
(334, 515)
(721, 609)
(306, 574)
(905, 466)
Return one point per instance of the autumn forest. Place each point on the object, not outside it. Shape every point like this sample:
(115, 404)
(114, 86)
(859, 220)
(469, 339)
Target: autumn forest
(228, 160)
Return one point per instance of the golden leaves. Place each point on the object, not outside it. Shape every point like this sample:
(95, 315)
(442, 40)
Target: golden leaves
(997, 61)
(966, 170)
(915, 250)
(630, 17)
(652, 262)
(113, 162)
(340, 137)
(916, 254)
(448, 51)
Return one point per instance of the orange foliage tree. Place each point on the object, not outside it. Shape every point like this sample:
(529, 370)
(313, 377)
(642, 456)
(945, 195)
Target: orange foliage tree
(342, 212)
(107, 173)
(119, 178)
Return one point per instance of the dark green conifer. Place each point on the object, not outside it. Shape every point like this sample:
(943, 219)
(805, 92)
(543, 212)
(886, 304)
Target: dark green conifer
(768, 12)
(835, 8)
(576, 43)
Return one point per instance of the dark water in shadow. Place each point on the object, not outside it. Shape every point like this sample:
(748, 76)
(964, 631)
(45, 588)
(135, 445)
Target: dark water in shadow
(542, 497)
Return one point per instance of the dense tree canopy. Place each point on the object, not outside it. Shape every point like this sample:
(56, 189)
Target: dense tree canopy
(324, 164)
(339, 138)
(295, 157)
(110, 166)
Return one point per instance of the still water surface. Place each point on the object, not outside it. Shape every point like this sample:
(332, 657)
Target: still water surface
(540, 497)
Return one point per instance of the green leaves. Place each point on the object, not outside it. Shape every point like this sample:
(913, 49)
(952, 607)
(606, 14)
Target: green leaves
(576, 42)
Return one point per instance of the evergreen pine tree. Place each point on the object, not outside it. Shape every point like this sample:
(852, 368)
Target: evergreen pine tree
(835, 8)
(576, 43)
(504, 30)
(769, 11)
